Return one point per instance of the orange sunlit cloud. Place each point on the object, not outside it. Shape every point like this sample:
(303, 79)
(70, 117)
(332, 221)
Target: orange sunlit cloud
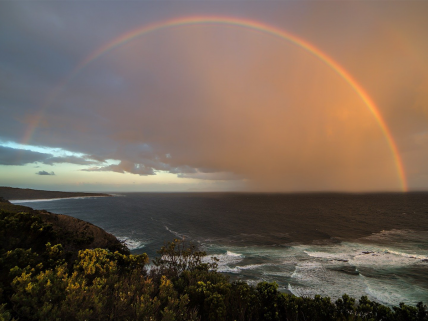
(271, 113)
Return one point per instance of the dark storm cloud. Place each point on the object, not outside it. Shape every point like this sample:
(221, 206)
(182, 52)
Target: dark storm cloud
(20, 157)
(45, 173)
(148, 167)
(12, 156)
(41, 44)
(69, 159)
(181, 170)
(123, 167)
(96, 158)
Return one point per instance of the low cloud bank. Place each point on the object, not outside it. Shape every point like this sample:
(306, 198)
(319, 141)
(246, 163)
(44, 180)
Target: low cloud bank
(45, 173)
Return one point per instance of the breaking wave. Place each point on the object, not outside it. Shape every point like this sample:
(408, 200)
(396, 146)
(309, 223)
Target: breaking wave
(131, 243)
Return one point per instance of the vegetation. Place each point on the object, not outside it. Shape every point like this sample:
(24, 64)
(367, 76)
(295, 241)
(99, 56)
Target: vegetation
(40, 280)
(12, 193)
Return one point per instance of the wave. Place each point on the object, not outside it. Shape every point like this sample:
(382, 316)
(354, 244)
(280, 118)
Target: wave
(330, 269)
(410, 256)
(385, 297)
(312, 278)
(394, 290)
(395, 234)
(181, 236)
(232, 253)
(227, 259)
(290, 288)
(132, 244)
(239, 268)
(333, 270)
(384, 259)
(363, 255)
(331, 256)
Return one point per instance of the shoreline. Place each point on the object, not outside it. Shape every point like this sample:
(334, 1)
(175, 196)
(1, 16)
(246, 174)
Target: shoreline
(13, 201)
(27, 195)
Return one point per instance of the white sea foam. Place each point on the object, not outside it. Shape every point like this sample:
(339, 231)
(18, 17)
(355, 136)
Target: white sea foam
(388, 235)
(232, 253)
(364, 255)
(131, 243)
(253, 266)
(330, 270)
(384, 259)
(272, 253)
(407, 255)
(240, 268)
(181, 236)
(311, 278)
(330, 256)
(334, 269)
(290, 288)
(393, 290)
(384, 296)
(226, 260)
(227, 269)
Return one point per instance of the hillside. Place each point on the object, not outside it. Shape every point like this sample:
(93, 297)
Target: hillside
(11, 193)
(72, 233)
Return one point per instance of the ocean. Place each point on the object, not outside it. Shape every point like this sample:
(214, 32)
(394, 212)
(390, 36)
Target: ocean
(327, 244)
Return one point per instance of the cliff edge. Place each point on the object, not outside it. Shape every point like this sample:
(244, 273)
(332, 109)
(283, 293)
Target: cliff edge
(74, 234)
(11, 193)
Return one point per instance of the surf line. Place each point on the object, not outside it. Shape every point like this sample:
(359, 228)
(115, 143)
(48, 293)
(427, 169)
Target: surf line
(242, 23)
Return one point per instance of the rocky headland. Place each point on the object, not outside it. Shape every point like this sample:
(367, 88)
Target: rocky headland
(11, 194)
(74, 234)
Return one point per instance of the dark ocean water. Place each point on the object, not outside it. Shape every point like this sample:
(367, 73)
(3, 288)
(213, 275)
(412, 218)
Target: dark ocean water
(328, 244)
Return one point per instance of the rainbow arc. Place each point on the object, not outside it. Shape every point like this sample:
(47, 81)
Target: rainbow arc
(241, 23)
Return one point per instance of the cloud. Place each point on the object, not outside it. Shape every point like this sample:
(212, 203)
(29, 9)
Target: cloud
(20, 157)
(217, 102)
(181, 170)
(12, 156)
(45, 173)
(96, 158)
(124, 167)
(69, 159)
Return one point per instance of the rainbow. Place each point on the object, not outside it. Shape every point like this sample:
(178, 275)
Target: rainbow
(238, 22)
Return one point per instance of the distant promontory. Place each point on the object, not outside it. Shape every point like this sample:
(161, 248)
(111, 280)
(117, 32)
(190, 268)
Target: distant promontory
(13, 194)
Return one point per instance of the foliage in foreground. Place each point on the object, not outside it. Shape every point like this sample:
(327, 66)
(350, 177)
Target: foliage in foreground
(42, 284)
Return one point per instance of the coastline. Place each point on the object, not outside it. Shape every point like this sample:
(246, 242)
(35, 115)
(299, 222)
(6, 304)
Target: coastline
(27, 195)
(76, 235)
(73, 233)
(13, 201)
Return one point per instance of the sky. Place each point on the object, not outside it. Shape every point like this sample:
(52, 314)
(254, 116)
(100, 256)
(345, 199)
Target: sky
(176, 96)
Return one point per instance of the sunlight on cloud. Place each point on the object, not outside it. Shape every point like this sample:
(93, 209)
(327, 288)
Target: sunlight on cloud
(42, 149)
